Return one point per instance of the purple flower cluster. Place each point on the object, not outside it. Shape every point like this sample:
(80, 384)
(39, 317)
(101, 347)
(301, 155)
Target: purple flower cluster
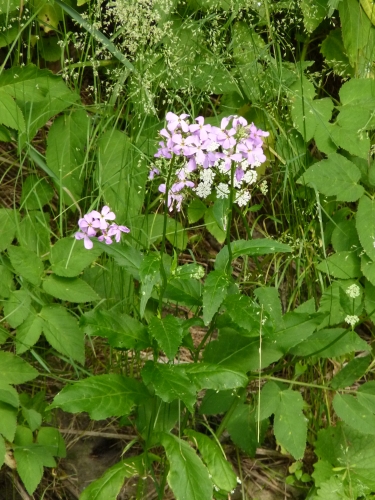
(97, 222)
(203, 146)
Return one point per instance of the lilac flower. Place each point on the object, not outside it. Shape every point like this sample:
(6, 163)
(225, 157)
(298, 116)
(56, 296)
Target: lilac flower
(175, 121)
(86, 240)
(88, 224)
(103, 216)
(115, 230)
(154, 171)
(200, 129)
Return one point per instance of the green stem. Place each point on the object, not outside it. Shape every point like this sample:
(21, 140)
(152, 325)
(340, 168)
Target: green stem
(230, 216)
(305, 384)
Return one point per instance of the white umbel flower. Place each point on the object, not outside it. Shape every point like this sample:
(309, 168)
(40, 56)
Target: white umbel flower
(351, 320)
(222, 190)
(243, 198)
(353, 291)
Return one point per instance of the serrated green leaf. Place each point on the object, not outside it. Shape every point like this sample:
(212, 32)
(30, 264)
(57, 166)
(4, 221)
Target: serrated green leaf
(365, 223)
(354, 414)
(244, 312)
(14, 370)
(168, 333)
(10, 114)
(63, 333)
(219, 378)
(329, 343)
(50, 438)
(355, 142)
(9, 219)
(109, 485)
(243, 428)
(268, 298)
(29, 467)
(296, 329)
(187, 477)
(26, 263)
(32, 417)
(350, 373)
(334, 53)
(176, 234)
(290, 425)
(34, 232)
(127, 257)
(218, 467)
(69, 289)
(212, 226)
(261, 246)
(366, 395)
(28, 332)
(6, 282)
(102, 396)
(17, 307)
(9, 395)
(269, 399)
(8, 421)
(345, 236)
(335, 176)
(214, 292)
(121, 330)
(313, 13)
(170, 382)
(215, 402)
(69, 257)
(342, 265)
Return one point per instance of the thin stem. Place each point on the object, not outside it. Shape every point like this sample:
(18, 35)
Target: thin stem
(230, 216)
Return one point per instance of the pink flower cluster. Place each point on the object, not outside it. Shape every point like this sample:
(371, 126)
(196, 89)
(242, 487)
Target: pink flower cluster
(97, 222)
(204, 146)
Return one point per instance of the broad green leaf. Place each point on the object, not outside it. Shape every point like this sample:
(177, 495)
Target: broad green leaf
(243, 428)
(365, 222)
(69, 257)
(17, 307)
(268, 298)
(214, 292)
(28, 332)
(6, 282)
(269, 399)
(329, 343)
(335, 176)
(23, 436)
(30, 83)
(127, 257)
(244, 312)
(26, 263)
(187, 477)
(184, 291)
(7, 6)
(350, 373)
(215, 402)
(345, 236)
(14, 370)
(296, 328)
(155, 416)
(36, 192)
(290, 425)
(334, 489)
(9, 395)
(219, 468)
(63, 333)
(370, 300)
(66, 150)
(188, 271)
(102, 396)
(176, 234)
(8, 421)
(350, 453)
(220, 210)
(32, 417)
(50, 438)
(357, 34)
(196, 210)
(121, 330)
(207, 376)
(240, 353)
(310, 114)
(121, 180)
(170, 382)
(368, 269)
(109, 485)
(353, 413)
(10, 114)
(29, 467)
(342, 265)
(313, 13)
(69, 289)
(356, 119)
(8, 224)
(262, 246)
(212, 225)
(366, 395)
(49, 48)
(357, 91)
(168, 333)
(34, 232)
(355, 142)
(334, 53)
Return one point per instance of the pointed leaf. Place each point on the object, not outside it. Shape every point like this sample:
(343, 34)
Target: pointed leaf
(187, 476)
(353, 413)
(8, 225)
(214, 292)
(10, 114)
(365, 222)
(219, 468)
(8, 421)
(14, 370)
(219, 378)
(69, 289)
(17, 307)
(69, 257)
(29, 467)
(28, 332)
(62, 332)
(102, 396)
(353, 371)
(168, 333)
(26, 263)
(290, 425)
(243, 428)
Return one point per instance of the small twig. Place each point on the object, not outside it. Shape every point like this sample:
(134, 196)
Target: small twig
(109, 435)
(20, 490)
